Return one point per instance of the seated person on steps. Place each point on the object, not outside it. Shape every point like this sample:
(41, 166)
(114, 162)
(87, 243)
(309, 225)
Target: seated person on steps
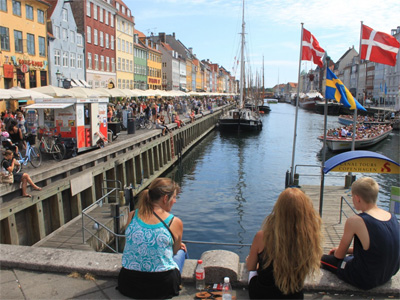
(375, 257)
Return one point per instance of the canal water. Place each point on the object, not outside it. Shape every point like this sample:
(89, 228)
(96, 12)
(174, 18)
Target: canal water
(230, 181)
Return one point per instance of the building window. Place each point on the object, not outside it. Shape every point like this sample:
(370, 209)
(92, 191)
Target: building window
(72, 60)
(112, 64)
(96, 61)
(107, 64)
(112, 42)
(101, 11)
(16, 5)
(101, 39)
(72, 36)
(57, 57)
(127, 65)
(94, 11)
(117, 5)
(106, 12)
(123, 64)
(42, 46)
(119, 83)
(5, 38)
(102, 62)
(65, 59)
(57, 31)
(130, 65)
(89, 60)
(79, 61)
(111, 20)
(130, 48)
(123, 9)
(89, 34)
(107, 41)
(65, 15)
(29, 12)
(3, 5)
(95, 39)
(18, 41)
(88, 13)
(118, 44)
(79, 40)
(40, 16)
(119, 64)
(123, 45)
(65, 34)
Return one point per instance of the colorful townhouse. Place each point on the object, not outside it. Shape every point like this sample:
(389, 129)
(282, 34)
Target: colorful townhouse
(23, 36)
(95, 20)
(65, 47)
(140, 63)
(154, 62)
(125, 29)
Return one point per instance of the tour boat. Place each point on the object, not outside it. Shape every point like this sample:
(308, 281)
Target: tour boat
(344, 143)
(308, 102)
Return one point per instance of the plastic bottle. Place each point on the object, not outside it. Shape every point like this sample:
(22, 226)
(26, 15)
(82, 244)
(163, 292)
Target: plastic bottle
(200, 276)
(226, 290)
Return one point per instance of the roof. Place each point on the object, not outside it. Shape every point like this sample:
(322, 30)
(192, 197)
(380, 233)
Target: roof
(50, 10)
(292, 84)
(167, 46)
(139, 33)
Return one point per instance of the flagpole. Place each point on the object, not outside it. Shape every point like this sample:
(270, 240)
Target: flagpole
(297, 108)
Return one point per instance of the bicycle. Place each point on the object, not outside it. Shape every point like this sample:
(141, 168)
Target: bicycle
(52, 144)
(143, 122)
(32, 154)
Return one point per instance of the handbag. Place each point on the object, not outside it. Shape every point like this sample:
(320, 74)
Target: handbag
(6, 178)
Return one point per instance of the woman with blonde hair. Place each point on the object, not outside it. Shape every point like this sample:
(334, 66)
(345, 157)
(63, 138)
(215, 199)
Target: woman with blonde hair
(286, 249)
(154, 254)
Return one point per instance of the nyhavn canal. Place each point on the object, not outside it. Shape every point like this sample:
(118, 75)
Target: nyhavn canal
(230, 181)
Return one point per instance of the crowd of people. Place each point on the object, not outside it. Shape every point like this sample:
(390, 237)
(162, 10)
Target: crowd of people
(362, 131)
(286, 250)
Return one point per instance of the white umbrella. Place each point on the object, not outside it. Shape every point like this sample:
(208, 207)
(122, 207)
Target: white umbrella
(130, 93)
(112, 92)
(32, 94)
(12, 94)
(88, 93)
(53, 91)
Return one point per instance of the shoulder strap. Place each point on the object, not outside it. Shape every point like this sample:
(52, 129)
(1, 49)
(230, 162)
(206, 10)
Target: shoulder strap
(166, 226)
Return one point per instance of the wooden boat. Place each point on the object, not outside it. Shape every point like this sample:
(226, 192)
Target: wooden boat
(264, 107)
(333, 107)
(344, 143)
(308, 101)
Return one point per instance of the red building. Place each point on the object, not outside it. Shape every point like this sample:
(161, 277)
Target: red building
(96, 22)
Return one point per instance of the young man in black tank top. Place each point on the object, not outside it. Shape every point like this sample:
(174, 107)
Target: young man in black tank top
(375, 257)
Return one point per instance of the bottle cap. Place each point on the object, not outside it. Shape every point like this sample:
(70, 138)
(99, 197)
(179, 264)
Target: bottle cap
(199, 261)
(226, 279)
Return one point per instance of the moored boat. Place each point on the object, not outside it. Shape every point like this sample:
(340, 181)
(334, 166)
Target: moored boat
(333, 107)
(364, 139)
(308, 101)
(348, 120)
(264, 107)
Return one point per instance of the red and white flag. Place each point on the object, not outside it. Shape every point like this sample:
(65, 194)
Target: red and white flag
(378, 46)
(311, 49)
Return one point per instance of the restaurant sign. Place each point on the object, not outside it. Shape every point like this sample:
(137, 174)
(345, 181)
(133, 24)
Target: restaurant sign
(362, 162)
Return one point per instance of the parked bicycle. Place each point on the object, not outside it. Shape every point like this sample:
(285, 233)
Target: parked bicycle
(52, 144)
(32, 154)
(143, 122)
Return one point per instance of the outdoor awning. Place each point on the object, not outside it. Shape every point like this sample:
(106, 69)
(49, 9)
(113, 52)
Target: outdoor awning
(49, 105)
(77, 82)
(73, 84)
(85, 83)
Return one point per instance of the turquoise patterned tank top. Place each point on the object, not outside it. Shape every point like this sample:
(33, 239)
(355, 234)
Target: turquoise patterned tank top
(148, 247)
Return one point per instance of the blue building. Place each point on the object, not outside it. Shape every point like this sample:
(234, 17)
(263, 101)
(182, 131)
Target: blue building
(65, 47)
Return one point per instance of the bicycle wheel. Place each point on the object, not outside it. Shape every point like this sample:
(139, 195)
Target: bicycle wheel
(58, 150)
(35, 157)
(137, 124)
(148, 124)
(42, 147)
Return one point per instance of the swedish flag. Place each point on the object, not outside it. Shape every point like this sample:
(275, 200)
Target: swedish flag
(336, 90)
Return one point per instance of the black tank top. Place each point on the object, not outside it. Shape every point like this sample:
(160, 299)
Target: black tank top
(375, 266)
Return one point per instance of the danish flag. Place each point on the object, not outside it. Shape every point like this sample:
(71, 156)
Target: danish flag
(378, 46)
(311, 49)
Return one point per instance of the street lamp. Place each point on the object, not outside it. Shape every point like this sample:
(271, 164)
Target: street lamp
(59, 76)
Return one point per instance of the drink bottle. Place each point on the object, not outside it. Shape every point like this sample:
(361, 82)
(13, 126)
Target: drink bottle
(226, 290)
(200, 276)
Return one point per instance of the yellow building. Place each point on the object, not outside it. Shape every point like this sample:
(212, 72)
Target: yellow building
(189, 67)
(23, 36)
(154, 65)
(124, 50)
(199, 76)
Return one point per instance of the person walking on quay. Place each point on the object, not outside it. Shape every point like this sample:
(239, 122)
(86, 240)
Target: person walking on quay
(9, 163)
(286, 249)
(375, 257)
(154, 254)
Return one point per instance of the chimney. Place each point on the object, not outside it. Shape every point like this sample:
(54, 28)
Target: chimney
(190, 50)
(162, 37)
(173, 34)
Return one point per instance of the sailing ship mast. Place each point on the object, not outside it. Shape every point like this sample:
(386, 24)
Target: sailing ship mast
(242, 63)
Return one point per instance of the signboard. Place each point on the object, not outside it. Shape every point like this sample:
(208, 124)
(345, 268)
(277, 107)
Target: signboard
(110, 85)
(8, 71)
(362, 161)
(24, 68)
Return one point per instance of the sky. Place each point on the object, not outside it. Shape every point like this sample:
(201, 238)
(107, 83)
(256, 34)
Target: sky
(273, 29)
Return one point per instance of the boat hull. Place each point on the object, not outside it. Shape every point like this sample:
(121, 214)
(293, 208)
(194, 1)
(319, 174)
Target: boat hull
(340, 144)
(307, 104)
(240, 119)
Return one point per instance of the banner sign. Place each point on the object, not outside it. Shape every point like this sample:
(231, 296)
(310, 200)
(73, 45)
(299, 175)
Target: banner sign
(362, 162)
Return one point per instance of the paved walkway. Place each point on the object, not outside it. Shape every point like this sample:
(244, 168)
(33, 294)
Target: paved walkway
(21, 284)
